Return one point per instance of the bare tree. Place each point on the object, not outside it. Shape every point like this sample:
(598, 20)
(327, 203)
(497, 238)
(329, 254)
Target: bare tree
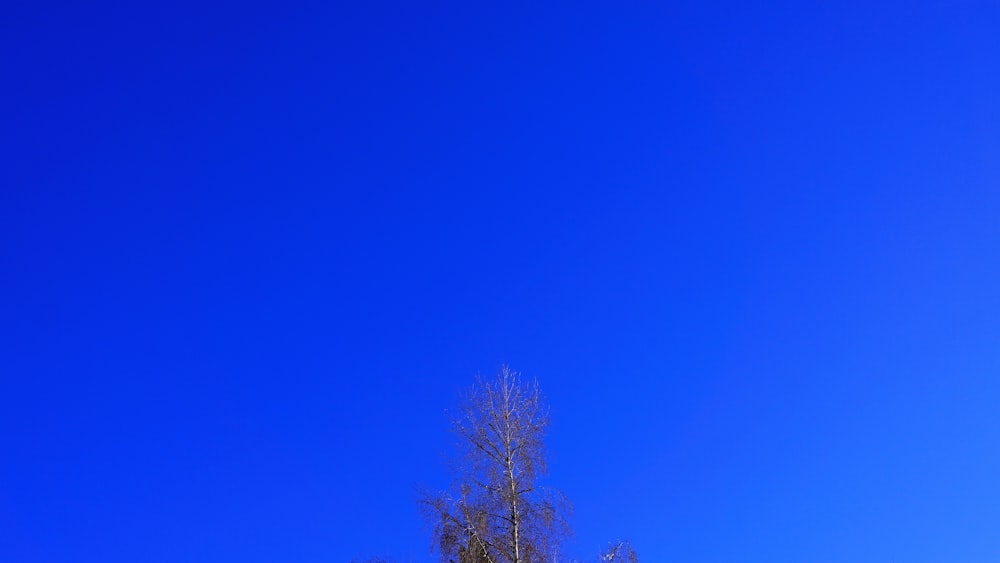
(496, 512)
(619, 552)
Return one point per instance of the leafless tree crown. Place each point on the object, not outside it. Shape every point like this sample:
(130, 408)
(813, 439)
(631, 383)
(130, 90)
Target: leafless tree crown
(619, 552)
(496, 512)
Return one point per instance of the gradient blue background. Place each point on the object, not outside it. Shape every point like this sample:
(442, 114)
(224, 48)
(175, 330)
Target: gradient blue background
(251, 253)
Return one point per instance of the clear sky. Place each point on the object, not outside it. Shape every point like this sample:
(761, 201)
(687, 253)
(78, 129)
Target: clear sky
(250, 254)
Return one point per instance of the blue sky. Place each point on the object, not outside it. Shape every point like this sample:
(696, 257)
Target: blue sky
(251, 253)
